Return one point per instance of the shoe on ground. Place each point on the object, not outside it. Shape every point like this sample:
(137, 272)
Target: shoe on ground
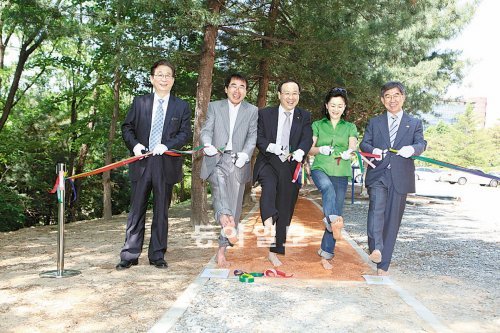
(160, 263)
(124, 264)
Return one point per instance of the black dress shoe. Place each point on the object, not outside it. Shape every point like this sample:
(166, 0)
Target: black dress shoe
(160, 263)
(124, 264)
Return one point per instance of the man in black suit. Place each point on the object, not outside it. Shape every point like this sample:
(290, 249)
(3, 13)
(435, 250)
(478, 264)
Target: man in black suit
(284, 137)
(155, 122)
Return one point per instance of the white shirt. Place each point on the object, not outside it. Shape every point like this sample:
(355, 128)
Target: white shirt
(233, 113)
(281, 121)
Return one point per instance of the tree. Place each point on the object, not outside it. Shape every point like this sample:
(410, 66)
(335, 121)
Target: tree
(203, 92)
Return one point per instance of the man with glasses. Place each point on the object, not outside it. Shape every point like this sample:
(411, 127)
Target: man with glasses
(229, 135)
(394, 174)
(284, 137)
(156, 123)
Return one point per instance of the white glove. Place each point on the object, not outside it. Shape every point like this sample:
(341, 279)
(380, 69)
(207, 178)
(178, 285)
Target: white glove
(406, 151)
(138, 149)
(346, 155)
(241, 160)
(275, 149)
(325, 150)
(159, 149)
(209, 150)
(377, 151)
(298, 155)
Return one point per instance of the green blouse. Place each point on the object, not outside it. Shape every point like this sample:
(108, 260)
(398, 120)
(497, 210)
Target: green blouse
(338, 138)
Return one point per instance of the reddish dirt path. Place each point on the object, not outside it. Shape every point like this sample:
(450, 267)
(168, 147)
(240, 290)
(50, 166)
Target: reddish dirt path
(303, 242)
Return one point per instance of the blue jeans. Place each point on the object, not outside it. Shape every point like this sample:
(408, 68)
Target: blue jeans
(333, 191)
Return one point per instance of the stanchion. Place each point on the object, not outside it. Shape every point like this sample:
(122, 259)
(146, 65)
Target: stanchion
(60, 272)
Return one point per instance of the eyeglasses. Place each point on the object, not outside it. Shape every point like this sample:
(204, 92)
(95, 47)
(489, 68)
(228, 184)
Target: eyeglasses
(234, 86)
(164, 76)
(287, 94)
(395, 97)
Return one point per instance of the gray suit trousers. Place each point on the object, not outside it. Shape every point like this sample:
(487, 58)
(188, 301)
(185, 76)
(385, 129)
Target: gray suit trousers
(227, 192)
(384, 217)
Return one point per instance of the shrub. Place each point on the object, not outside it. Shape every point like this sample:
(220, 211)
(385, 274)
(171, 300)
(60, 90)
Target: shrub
(11, 209)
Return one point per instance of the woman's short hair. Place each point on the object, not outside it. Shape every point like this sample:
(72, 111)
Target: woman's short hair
(335, 92)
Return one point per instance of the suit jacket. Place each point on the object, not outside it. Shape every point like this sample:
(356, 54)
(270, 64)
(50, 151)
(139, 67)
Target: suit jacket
(300, 137)
(410, 133)
(216, 132)
(176, 133)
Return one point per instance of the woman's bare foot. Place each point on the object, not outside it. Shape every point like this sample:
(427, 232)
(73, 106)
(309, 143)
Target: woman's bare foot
(381, 272)
(337, 226)
(326, 264)
(221, 258)
(273, 258)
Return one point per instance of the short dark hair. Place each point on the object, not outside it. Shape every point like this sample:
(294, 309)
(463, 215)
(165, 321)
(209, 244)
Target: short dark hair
(162, 62)
(288, 81)
(237, 76)
(391, 85)
(335, 92)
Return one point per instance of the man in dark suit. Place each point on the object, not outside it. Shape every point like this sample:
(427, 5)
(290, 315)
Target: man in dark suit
(284, 137)
(155, 122)
(231, 123)
(394, 174)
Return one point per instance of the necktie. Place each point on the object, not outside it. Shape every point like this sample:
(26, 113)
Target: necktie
(393, 129)
(157, 126)
(285, 135)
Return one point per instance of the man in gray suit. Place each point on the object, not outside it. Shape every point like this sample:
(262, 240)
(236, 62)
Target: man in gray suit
(394, 174)
(231, 124)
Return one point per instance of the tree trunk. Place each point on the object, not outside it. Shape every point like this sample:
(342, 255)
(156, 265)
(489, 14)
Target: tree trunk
(199, 203)
(106, 176)
(267, 46)
(264, 78)
(24, 54)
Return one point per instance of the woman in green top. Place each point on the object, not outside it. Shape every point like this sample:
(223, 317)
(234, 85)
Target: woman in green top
(332, 136)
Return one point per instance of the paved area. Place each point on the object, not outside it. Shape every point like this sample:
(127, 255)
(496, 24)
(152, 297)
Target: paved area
(444, 278)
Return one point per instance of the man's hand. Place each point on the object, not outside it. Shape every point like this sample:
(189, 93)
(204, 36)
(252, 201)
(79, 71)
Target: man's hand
(138, 149)
(298, 155)
(209, 150)
(241, 160)
(377, 151)
(325, 150)
(406, 151)
(275, 149)
(159, 149)
(346, 155)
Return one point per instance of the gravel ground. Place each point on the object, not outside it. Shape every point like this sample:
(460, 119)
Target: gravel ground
(446, 258)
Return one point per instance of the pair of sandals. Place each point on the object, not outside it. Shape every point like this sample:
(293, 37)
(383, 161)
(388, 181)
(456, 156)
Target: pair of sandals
(334, 224)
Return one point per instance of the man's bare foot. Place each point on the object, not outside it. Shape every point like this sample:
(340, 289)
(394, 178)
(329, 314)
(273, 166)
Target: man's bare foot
(326, 264)
(273, 258)
(337, 226)
(221, 258)
(229, 228)
(381, 272)
(270, 231)
(376, 256)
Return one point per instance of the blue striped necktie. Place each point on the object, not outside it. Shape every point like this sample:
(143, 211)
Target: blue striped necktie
(157, 126)
(393, 129)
